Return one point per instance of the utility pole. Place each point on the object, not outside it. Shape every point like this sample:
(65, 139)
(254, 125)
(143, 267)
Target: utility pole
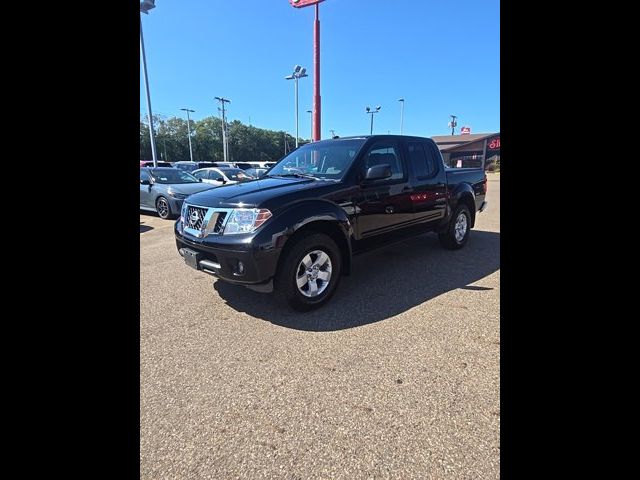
(333, 133)
(453, 124)
(189, 131)
(225, 146)
(401, 100)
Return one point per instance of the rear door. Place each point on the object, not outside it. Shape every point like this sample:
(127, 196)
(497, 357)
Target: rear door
(429, 196)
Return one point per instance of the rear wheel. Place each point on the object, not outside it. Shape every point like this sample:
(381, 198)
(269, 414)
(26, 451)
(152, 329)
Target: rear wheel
(163, 208)
(310, 272)
(457, 232)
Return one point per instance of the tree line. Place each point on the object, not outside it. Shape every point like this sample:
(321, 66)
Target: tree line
(246, 143)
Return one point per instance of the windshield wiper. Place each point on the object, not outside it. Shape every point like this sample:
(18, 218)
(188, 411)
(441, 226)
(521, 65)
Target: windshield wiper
(295, 175)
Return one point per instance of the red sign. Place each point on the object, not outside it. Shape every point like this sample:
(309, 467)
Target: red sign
(303, 3)
(465, 130)
(494, 144)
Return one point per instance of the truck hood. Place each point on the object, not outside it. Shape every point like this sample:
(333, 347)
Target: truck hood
(253, 193)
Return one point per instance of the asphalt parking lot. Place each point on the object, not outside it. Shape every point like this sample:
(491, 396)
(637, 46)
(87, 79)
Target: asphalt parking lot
(397, 377)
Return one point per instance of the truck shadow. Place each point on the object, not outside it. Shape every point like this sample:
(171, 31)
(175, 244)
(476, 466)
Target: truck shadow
(383, 283)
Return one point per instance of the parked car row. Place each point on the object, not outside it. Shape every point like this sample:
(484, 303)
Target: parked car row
(191, 166)
(164, 188)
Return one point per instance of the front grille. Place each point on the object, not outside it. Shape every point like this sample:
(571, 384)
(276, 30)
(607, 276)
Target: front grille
(219, 222)
(195, 217)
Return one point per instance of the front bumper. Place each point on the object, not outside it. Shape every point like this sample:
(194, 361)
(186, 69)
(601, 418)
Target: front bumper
(483, 206)
(240, 262)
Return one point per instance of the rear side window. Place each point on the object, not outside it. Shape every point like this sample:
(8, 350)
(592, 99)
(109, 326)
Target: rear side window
(433, 154)
(418, 159)
(422, 160)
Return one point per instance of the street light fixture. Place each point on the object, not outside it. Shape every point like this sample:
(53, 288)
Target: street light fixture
(144, 8)
(298, 72)
(311, 112)
(189, 130)
(401, 100)
(372, 112)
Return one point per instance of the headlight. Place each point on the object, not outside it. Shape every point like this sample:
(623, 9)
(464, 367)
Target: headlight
(246, 220)
(183, 213)
(177, 196)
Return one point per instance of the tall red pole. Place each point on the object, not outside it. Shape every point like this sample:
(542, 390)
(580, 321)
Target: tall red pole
(316, 77)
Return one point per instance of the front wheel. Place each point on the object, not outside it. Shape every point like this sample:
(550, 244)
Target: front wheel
(457, 232)
(310, 272)
(163, 208)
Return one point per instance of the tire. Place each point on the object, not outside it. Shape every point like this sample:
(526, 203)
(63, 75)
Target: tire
(453, 238)
(295, 286)
(163, 208)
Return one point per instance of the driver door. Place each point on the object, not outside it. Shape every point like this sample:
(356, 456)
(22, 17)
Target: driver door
(384, 205)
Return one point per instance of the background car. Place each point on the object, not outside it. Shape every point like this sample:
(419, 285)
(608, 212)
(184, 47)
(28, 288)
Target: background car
(163, 189)
(149, 163)
(221, 176)
(256, 172)
(191, 166)
(247, 165)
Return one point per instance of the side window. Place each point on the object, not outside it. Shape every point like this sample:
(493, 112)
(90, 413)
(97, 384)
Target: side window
(434, 157)
(385, 154)
(200, 174)
(419, 162)
(144, 175)
(214, 174)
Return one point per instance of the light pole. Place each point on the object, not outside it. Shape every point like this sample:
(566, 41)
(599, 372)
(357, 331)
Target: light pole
(401, 100)
(316, 63)
(189, 130)
(372, 112)
(453, 124)
(144, 8)
(333, 133)
(311, 112)
(298, 72)
(225, 147)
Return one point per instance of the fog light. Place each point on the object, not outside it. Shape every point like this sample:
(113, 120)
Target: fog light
(239, 270)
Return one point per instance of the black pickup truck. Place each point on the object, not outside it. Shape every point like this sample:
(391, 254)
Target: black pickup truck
(294, 230)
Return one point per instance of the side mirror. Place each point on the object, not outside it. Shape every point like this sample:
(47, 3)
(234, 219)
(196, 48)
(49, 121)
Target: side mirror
(378, 172)
(145, 182)
(200, 180)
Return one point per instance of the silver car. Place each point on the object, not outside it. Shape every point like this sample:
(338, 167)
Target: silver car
(163, 189)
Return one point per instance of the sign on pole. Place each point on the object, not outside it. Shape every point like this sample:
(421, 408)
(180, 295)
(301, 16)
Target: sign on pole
(465, 130)
(303, 3)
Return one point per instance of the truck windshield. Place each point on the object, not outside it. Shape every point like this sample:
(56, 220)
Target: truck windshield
(328, 159)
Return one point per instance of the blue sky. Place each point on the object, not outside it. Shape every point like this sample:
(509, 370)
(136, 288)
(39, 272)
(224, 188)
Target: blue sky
(443, 57)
